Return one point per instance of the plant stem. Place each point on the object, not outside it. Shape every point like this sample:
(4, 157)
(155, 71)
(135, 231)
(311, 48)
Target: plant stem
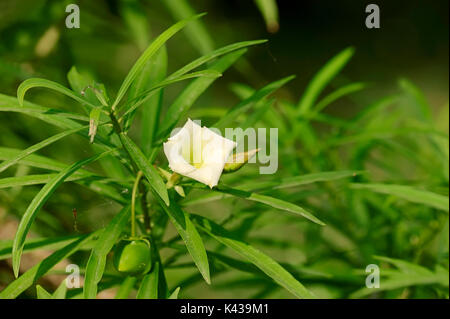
(118, 131)
(133, 204)
(145, 209)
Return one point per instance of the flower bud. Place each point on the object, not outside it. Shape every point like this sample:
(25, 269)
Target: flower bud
(93, 122)
(236, 161)
(132, 256)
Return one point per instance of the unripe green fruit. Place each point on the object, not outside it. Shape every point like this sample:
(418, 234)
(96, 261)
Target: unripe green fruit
(132, 256)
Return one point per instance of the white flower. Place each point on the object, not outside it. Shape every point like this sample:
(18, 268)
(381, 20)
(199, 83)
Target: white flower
(198, 152)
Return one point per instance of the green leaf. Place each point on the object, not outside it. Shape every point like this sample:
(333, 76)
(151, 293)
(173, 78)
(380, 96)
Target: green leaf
(269, 266)
(150, 173)
(401, 281)
(27, 180)
(93, 182)
(174, 294)
(339, 93)
(196, 32)
(55, 117)
(147, 54)
(42, 293)
(138, 101)
(409, 193)
(301, 180)
(322, 78)
(248, 102)
(282, 183)
(269, 11)
(210, 56)
(419, 98)
(135, 18)
(97, 261)
(270, 201)
(36, 82)
(191, 93)
(60, 292)
(153, 73)
(80, 84)
(405, 266)
(36, 204)
(26, 280)
(191, 238)
(376, 108)
(408, 275)
(149, 285)
(38, 243)
(38, 146)
(126, 287)
(94, 117)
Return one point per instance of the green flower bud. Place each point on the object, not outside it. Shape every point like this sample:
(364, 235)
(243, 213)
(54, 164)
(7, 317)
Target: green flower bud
(236, 161)
(179, 189)
(132, 256)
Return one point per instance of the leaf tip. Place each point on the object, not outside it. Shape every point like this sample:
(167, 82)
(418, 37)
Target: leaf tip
(198, 16)
(16, 267)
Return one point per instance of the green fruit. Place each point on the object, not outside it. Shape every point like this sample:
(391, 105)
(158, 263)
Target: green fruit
(132, 256)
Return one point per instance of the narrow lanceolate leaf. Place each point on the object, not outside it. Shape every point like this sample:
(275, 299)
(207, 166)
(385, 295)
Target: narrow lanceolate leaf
(301, 180)
(36, 82)
(60, 292)
(147, 54)
(322, 78)
(94, 182)
(154, 72)
(196, 31)
(125, 288)
(38, 146)
(409, 193)
(39, 243)
(270, 201)
(339, 93)
(192, 92)
(149, 284)
(25, 281)
(38, 201)
(401, 280)
(419, 98)
(138, 101)
(53, 116)
(269, 266)
(94, 117)
(97, 261)
(174, 294)
(27, 180)
(405, 266)
(269, 11)
(210, 56)
(86, 88)
(408, 274)
(282, 183)
(191, 238)
(254, 98)
(150, 173)
(41, 293)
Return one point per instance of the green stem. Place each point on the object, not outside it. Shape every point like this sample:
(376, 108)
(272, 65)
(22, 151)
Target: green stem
(133, 204)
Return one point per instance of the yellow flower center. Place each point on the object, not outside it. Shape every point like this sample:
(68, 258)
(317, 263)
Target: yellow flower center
(192, 152)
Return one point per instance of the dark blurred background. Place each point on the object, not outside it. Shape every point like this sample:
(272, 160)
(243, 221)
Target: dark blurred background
(412, 41)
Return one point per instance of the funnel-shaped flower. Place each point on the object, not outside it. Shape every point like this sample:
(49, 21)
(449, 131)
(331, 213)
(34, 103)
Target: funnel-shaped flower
(198, 152)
